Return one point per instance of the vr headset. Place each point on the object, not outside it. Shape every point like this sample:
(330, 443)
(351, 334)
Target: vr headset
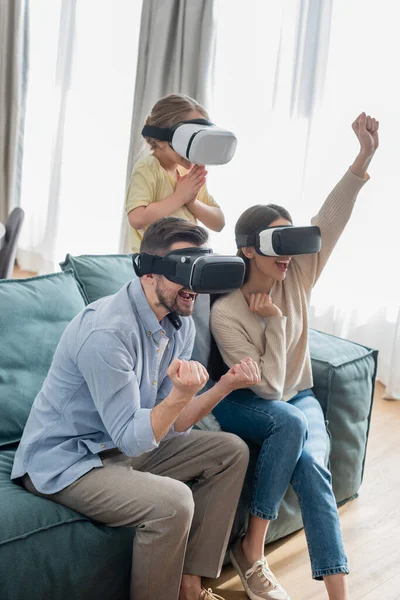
(197, 140)
(196, 269)
(285, 240)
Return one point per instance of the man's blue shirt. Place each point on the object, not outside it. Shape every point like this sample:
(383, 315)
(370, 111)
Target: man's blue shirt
(109, 370)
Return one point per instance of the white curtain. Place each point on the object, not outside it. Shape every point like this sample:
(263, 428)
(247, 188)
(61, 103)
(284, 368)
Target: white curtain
(13, 83)
(82, 77)
(290, 78)
(176, 55)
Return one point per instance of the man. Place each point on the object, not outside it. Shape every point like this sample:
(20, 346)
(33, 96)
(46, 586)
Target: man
(109, 433)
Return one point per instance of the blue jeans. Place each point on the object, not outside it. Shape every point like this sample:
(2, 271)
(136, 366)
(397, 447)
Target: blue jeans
(293, 440)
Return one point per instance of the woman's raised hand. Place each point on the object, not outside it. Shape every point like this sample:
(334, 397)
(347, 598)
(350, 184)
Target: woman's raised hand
(366, 129)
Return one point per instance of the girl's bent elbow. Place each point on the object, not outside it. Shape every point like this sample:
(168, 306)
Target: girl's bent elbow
(136, 220)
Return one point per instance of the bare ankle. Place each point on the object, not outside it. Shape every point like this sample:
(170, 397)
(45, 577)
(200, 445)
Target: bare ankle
(252, 554)
(190, 587)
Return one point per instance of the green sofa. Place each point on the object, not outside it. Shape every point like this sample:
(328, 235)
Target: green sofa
(48, 552)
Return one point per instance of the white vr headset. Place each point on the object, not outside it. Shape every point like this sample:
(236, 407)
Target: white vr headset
(285, 240)
(197, 140)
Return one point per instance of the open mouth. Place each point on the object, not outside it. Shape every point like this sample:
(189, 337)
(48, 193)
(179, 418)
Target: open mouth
(188, 297)
(283, 265)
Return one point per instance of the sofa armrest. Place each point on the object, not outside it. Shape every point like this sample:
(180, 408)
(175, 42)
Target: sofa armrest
(344, 380)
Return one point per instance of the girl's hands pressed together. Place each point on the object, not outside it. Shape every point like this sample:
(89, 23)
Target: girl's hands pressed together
(188, 186)
(261, 304)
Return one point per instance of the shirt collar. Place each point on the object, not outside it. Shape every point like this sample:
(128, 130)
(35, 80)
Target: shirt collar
(153, 327)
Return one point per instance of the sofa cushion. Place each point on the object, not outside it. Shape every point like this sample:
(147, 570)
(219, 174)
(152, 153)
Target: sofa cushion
(103, 275)
(33, 314)
(344, 380)
(100, 275)
(50, 551)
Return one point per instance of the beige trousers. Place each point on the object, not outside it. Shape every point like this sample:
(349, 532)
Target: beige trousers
(178, 530)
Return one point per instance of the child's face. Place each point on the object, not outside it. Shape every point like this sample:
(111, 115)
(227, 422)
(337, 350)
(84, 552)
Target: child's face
(170, 159)
(167, 156)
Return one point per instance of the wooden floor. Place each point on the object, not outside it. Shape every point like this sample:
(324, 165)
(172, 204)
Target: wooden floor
(370, 524)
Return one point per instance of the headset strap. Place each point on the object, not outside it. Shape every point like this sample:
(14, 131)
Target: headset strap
(244, 240)
(165, 134)
(144, 264)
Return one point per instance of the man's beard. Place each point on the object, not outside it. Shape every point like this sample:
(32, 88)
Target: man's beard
(171, 303)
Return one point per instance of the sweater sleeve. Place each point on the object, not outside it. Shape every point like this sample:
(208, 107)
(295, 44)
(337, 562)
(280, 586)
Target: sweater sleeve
(332, 218)
(235, 345)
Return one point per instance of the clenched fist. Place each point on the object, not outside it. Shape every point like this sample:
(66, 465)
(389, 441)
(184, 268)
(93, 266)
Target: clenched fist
(188, 377)
(242, 375)
(366, 129)
(262, 305)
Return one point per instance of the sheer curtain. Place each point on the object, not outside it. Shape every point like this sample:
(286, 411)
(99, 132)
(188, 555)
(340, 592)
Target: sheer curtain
(82, 65)
(14, 18)
(289, 80)
(176, 55)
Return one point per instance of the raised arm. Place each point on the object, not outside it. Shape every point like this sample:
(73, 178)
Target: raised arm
(337, 208)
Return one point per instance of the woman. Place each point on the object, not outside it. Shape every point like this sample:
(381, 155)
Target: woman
(267, 319)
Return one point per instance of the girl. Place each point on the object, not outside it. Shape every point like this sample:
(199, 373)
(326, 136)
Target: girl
(165, 184)
(267, 319)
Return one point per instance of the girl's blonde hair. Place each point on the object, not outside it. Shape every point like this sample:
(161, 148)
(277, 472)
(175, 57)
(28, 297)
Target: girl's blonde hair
(170, 110)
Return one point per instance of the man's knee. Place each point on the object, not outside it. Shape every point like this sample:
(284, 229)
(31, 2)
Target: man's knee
(178, 498)
(232, 449)
(172, 503)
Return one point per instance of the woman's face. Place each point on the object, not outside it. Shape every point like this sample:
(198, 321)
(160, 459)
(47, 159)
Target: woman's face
(274, 267)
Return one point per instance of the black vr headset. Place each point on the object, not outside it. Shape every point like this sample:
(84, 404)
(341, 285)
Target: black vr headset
(196, 269)
(198, 140)
(285, 240)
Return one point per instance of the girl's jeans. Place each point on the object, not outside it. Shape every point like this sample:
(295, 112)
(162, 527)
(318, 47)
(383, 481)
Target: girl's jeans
(293, 440)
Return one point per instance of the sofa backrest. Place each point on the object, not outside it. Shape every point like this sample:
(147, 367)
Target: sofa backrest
(33, 314)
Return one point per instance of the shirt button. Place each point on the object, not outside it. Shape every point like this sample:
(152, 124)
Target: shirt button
(162, 332)
(148, 333)
(154, 382)
(158, 350)
(102, 445)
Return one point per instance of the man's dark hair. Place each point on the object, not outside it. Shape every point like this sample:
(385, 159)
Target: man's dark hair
(160, 235)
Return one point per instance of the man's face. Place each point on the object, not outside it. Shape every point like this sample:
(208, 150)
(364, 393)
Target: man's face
(172, 296)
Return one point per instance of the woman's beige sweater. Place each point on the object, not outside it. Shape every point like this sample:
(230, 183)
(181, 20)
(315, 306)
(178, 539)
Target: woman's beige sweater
(281, 347)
